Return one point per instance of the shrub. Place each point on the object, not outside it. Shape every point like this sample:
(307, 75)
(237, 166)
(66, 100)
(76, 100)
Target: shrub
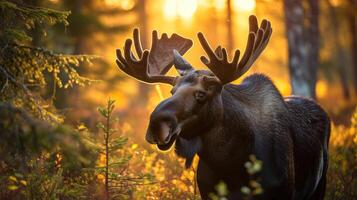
(342, 172)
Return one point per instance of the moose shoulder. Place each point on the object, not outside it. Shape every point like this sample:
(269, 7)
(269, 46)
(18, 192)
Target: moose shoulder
(224, 123)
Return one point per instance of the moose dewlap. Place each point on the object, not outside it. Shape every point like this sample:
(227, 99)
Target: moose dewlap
(224, 123)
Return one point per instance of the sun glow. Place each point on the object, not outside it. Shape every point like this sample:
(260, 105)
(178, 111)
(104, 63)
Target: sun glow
(244, 5)
(321, 89)
(180, 8)
(335, 3)
(220, 4)
(124, 4)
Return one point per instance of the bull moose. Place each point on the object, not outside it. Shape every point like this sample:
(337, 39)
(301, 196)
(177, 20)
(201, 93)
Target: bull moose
(224, 123)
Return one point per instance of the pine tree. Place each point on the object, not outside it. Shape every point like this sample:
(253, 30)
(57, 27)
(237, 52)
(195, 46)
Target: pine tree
(25, 70)
(117, 183)
(40, 157)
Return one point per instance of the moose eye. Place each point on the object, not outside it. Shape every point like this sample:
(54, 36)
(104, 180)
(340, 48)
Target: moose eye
(200, 96)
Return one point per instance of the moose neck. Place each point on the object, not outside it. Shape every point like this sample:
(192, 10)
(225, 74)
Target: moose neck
(245, 115)
(230, 130)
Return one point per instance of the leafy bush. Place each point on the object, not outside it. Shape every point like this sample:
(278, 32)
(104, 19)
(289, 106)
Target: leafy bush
(342, 172)
(39, 160)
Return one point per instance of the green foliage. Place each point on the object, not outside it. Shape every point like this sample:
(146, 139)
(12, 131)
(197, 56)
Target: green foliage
(39, 159)
(221, 192)
(16, 35)
(25, 70)
(341, 175)
(253, 166)
(39, 67)
(29, 17)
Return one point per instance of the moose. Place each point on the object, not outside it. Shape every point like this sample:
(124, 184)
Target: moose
(224, 123)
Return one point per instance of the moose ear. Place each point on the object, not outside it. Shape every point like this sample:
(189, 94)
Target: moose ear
(211, 82)
(181, 65)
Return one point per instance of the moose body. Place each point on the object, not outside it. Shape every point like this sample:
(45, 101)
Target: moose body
(289, 135)
(225, 123)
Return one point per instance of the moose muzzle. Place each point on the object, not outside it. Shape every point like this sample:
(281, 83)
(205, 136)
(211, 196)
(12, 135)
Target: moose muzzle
(163, 127)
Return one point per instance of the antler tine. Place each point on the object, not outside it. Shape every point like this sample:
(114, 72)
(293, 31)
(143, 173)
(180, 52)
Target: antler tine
(226, 71)
(151, 66)
(262, 36)
(137, 42)
(248, 51)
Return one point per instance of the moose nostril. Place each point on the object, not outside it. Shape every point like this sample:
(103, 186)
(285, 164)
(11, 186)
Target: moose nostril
(167, 139)
(200, 96)
(163, 132)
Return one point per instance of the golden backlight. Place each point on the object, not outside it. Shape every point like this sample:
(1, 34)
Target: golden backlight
(244, 5)
(123, 4)
(180, 8)
(185, 9)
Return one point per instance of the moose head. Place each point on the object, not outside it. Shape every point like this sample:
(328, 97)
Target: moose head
(196, 102)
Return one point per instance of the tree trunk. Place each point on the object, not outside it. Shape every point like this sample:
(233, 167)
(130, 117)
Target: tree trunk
(79, 40)
(138, 105)
(303, 47)
(353, 28)
(339, 56)
(36, 31)
(143, 17)
(313, 42)
(230, 42)
(107, 133)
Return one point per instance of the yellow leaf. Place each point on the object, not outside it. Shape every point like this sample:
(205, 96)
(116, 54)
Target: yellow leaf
(23, 182)
(134, 146)
(12, 187)
(81, 127)
(13, 178)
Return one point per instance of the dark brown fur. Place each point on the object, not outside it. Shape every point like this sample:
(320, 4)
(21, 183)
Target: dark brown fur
(290, 135)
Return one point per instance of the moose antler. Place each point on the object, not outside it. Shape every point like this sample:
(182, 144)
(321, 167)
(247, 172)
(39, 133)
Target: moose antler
(226, 71)
(151, 66)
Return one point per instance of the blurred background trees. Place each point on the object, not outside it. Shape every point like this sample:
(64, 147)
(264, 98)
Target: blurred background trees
(302, 32)
(50, 86)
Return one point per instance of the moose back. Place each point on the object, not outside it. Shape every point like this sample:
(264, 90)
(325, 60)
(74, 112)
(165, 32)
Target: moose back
(224, 123)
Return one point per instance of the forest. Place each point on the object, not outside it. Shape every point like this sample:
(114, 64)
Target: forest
(73, 125)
